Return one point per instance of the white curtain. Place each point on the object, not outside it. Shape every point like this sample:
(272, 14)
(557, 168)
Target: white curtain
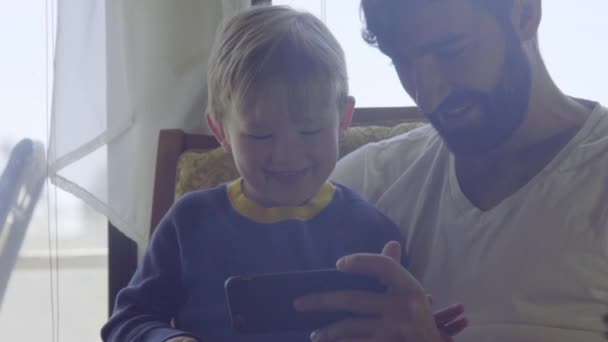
(125, 69)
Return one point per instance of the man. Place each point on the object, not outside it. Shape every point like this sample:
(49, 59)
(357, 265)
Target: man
(503, 201)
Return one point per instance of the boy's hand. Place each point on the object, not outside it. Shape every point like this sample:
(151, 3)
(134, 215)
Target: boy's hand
(182, 339)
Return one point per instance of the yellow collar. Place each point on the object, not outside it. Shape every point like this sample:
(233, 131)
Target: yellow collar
(261, 214)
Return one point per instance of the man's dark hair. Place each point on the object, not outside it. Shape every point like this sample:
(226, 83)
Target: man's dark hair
(381, 16)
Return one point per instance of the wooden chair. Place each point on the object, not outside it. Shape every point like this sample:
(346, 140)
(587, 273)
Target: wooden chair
(172, 143)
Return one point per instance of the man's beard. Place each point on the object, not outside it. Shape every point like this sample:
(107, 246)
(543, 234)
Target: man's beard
(502, 110)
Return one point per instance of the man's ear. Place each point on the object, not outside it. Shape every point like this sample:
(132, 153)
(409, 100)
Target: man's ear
(347, 115)
(217, 128)
(526, 16)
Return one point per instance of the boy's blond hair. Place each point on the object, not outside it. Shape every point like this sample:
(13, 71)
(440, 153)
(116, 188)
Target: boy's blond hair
(274, 48)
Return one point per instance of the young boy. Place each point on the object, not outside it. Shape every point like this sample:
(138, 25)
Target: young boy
(278, 102)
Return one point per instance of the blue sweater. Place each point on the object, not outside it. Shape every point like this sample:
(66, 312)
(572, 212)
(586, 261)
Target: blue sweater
(208, 236)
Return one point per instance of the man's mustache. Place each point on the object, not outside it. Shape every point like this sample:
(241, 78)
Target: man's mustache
(457, 100)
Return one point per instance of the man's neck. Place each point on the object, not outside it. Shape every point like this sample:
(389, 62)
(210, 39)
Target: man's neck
(487, 182)
(553, 119)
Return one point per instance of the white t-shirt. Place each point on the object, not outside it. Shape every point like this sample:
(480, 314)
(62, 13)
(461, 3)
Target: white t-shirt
(533, 268)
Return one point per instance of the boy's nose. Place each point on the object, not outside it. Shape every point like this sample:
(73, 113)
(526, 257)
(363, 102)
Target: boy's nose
(287, 148)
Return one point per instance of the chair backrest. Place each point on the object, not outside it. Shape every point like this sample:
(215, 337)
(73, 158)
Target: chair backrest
(172, 143)
(20, 186)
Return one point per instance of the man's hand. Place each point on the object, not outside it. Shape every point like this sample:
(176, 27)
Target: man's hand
(182, 339)
(403, 313)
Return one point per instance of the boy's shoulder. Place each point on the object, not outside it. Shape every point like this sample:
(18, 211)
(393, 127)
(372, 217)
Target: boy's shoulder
(203, 195)
(360, 219)
(358, 209)
(345, 195)
(201, 202)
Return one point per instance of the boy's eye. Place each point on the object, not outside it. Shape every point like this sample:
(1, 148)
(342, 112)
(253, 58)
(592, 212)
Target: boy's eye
(311, 132)
(259, 136)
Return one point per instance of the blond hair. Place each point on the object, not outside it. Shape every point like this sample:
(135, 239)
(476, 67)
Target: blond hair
(267, 46)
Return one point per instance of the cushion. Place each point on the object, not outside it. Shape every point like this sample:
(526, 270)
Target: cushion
(206, 169)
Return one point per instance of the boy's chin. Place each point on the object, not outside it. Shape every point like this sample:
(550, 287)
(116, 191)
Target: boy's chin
(291, 195)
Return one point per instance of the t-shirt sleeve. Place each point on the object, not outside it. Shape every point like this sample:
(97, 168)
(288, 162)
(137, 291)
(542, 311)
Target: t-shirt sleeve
(145, 308)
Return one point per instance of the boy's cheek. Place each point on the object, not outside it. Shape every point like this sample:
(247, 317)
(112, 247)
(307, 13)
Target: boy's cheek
(328, 147)
(250, 152)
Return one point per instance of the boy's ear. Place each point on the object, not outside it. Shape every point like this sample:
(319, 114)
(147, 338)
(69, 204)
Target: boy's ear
(347, 115)
(218, 131)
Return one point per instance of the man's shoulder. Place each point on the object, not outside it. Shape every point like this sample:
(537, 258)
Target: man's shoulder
(415, 140)
(591, 143)
(392, 155)
(375, 167)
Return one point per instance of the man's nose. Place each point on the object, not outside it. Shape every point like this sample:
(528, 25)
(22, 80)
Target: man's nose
(430, 87)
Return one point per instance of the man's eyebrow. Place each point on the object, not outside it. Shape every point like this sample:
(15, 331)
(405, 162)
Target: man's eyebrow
(426, 48)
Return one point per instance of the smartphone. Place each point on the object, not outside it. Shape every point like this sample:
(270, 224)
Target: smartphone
(264, 303)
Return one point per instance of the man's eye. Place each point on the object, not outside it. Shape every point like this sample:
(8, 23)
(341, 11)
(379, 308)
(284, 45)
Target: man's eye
(311, 132)
(259, 136)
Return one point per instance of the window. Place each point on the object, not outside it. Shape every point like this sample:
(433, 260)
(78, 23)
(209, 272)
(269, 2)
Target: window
(575, 53)
(79, 287)
(373, 81)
